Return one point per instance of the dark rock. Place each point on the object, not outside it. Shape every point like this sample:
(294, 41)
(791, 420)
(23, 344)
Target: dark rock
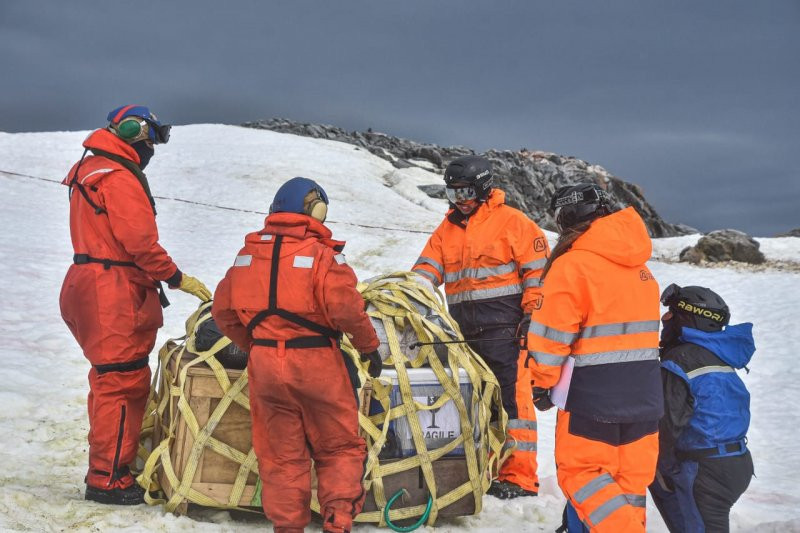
(430, 154)
(724, 245)
(434, 191)
(529, 178)
(690, 254)
(791, 233)
(687, 230)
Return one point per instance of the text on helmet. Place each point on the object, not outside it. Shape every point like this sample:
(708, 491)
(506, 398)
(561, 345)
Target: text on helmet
(701, 311)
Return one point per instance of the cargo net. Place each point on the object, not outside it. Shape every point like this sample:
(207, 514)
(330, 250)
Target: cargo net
(178, 430)
(439, 384)
(406, 310)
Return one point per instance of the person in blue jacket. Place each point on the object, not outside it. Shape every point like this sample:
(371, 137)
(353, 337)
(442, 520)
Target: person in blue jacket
(704, 465)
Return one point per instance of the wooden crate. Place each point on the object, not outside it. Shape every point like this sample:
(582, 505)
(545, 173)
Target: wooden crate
(449, 472)
(215, 473)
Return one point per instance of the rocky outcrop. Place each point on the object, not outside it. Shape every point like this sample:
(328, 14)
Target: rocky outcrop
(724, 245)
(529, 178)
(791, 233)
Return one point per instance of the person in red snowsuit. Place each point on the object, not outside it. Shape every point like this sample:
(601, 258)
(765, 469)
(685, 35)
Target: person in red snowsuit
(111, 297)
(286, 300)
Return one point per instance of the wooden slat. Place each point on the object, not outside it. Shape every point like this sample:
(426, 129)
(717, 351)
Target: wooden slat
(215, 473)
(221, 491)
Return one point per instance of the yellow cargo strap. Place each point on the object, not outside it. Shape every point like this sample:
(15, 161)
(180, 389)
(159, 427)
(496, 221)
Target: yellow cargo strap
(168, 403)
(392, 297)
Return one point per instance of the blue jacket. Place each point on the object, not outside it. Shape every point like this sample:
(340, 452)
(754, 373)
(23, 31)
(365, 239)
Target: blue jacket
(720, 400)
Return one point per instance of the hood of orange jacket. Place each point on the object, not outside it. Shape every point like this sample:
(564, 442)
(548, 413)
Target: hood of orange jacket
(298, 226)
(620, 237)
(108, 142)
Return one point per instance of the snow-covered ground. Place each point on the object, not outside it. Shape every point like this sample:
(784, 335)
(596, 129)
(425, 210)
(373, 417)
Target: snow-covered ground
(385, 218)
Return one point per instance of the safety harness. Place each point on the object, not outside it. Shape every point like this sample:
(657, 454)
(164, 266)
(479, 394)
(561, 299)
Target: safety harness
(75, 183)
(134, 169)
(83, 259)
(326, 334)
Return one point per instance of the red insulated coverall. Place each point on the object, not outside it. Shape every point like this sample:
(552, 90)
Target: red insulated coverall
(114, 313)
(296, 293)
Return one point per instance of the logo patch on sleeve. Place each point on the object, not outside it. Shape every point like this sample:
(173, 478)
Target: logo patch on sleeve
(538, 244)
(303, 261)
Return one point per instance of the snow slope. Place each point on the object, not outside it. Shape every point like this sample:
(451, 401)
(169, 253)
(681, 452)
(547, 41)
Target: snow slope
(43, 395)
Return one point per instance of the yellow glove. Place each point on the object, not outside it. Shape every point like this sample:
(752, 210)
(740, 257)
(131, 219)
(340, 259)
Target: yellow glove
(195, 287)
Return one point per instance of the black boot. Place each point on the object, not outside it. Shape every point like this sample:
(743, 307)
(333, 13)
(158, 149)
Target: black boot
(133, 495)
(505, 490)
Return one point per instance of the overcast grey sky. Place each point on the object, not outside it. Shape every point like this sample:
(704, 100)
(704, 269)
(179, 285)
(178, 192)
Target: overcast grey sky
(697, 102)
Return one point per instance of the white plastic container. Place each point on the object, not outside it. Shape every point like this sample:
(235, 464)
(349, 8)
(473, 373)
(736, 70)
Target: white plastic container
(439, 427)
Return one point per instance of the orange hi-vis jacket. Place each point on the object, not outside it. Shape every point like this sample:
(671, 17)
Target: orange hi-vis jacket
(600, 305)
(490, 263)
(495, 252)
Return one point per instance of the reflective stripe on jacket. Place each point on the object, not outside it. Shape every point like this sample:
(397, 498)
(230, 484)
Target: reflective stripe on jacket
(600, 305)
(496, 252)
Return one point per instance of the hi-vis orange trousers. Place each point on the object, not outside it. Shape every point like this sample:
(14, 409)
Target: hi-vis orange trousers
(520, 467)
(604, 470)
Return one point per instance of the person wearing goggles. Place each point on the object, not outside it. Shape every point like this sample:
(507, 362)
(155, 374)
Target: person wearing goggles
(463, 196)
(489, 257)
(139, 128)
(134, 129)
(112, 295)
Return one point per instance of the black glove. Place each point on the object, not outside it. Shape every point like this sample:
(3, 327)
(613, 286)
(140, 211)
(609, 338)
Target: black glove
(374, 363)
(541, 399)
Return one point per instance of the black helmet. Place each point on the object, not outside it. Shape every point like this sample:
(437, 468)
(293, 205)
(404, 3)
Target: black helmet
(470, 170)
(696, 307)
(583, 202)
